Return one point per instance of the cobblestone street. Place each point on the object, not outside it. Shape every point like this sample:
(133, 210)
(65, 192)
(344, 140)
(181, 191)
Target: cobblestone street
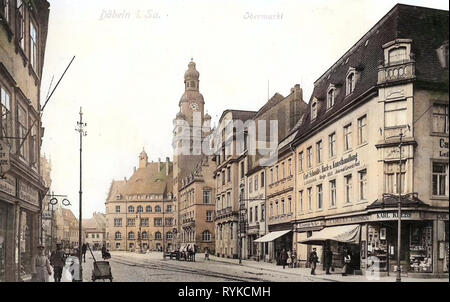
(133, 267)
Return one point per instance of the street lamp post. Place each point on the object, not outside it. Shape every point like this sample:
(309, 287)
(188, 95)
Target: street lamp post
(52, 202)
(82, 133)
(399, 205)
(399, 277)
(140, 232)
(163, 236)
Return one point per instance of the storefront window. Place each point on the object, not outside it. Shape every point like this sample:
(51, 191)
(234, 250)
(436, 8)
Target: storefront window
(25, 244)
(421, 248)
(377, 248)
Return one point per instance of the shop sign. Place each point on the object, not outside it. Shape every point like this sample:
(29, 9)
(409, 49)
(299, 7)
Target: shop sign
(310, 224)
(442, 216)
(347, 220)
(336, 167)
(46, 215)
(394, 215)
(443, 147)
(28, 193)
(5, 163)
(8, 185)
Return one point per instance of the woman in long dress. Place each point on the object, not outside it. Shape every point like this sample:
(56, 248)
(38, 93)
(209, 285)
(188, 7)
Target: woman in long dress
(40, 265)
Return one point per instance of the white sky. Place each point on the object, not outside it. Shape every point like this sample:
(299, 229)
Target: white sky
(128, 72)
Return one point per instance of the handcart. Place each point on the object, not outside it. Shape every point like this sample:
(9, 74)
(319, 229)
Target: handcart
(102, 269)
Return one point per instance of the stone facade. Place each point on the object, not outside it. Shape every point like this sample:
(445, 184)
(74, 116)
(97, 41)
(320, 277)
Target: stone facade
(23, 34)
(139, 210)
(349, 170)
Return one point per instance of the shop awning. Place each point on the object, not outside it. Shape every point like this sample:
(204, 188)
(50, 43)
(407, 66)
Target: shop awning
(344, 233)
(272, 236)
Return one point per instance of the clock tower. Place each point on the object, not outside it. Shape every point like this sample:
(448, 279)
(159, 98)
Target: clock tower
(191, 110)
(192, 100)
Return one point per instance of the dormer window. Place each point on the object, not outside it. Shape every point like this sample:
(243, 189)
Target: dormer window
(443, 54)
(350, 82)
(397, 51)
(331, 96)
(397, 55)
(314, 109)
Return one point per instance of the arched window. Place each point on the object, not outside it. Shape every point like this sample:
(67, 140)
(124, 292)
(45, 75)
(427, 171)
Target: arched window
(192, 84)
(130, 236)
(158, 236)
(148, 209)
(330, 98)
(144, 235)
(118, 236)
(397, 55)
(169, 235)
(206, 236)
(130, 209)
(158, 209)
(140, 209)
(350, 82)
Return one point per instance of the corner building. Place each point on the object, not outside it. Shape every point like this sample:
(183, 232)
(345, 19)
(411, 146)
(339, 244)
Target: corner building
(23, 35)
(349, 170)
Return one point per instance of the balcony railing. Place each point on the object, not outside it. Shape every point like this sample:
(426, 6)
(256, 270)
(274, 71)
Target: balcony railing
(396, 71)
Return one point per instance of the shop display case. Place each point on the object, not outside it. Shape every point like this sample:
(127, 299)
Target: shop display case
(421, 249)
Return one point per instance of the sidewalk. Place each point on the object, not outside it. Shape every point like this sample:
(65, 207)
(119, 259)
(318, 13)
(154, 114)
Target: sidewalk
(320, 274)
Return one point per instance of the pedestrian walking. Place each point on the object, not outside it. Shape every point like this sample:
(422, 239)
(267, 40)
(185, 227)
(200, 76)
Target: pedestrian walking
(289, 259)
(40, 265)
(58, 261)
(105, 253)
(328, 259)
(313, 259)
(206, 253)
(83, 251)
(347, 260)
(283, 257)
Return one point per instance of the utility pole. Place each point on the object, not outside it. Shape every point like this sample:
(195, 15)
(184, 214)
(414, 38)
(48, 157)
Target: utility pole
(80, 129)
(239, 232)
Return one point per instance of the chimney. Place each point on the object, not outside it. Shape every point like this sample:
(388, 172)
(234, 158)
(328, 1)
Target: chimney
(167, 166)
(298, 92)
(159, 164)
(134, 169)
(125, 179)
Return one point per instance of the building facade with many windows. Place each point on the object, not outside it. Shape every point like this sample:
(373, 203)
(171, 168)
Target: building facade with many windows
(197, 207)
(350, 176)
(139, 210)
(23, 34)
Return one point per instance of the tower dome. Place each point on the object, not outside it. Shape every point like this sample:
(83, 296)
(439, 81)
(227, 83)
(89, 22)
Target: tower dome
(191, 73)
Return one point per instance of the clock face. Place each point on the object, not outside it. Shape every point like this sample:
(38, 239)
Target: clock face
(193, 106)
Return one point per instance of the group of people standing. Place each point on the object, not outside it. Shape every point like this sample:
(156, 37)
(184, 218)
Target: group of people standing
(288, 258)
(328, 261)
(42, 267)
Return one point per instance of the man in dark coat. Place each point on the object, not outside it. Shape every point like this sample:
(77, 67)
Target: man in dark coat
(328, 260)
(83, 251)
(313, 259)
(58, 260)
(283, 258)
